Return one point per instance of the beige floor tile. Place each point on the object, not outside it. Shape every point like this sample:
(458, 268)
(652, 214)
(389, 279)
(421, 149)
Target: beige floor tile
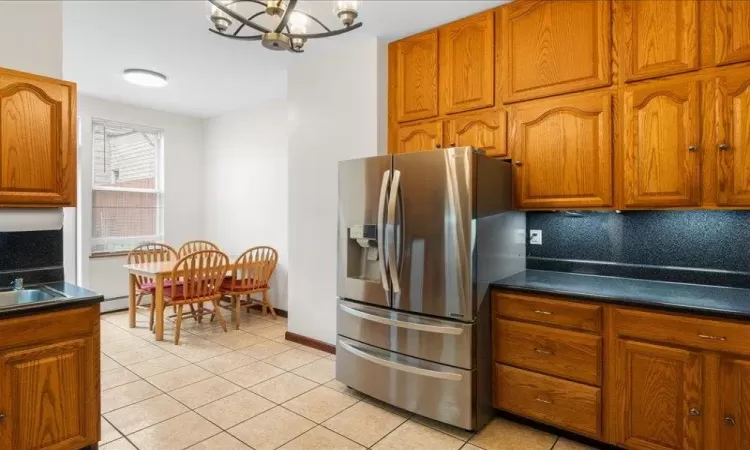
(139, 354)
(159, 365)
(314, 351)
(394, 409)
(566, 444)
(271, 332)
(148, 335)
(109, 433)
(235, 339)
(177, 378)
(265, 349)
(278, 320)
(271, 429)
(222, 441)
(253, 324)
(284, 387)
(364, 423)
(344, 389)
(413, 436)
(236, 408)
(129, 343)
(501, 434)
(321, 371)
(470, 447)
(107, 363)
(252, 374)
(320, 404)
(458, 433)
(111, 333)
(117, 377)
(204, 392)
(226, 362)
(119, 444)
(283, 340)
(291, 359)
(127, 394)
(320, 438)
(143, 414)
(194, 348)
(176, 433)
(331, 357)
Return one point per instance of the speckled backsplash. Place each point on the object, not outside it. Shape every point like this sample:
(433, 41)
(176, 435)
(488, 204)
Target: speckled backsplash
(36, 256)
(705, 247)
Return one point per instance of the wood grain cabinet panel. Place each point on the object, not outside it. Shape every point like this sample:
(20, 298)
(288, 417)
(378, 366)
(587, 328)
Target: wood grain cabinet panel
(659, 37)
(735, 403)
(731, 31)
(419, 138)
(485, 130)
(551, 311)
(659, 397)
(563, 152)
(37, 140)
(467, 63)
(733, 143)
(552, 47)
(416, 73)
(660, 139)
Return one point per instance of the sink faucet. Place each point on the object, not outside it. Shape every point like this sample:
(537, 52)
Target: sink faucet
(17, 284)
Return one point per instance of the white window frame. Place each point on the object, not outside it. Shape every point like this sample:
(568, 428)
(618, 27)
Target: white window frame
(159, 190)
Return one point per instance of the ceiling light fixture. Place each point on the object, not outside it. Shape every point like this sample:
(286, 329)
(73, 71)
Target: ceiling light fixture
(290, 26)
(143, 77)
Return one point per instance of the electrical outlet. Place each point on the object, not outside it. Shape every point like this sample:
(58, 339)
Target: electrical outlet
(535, 237)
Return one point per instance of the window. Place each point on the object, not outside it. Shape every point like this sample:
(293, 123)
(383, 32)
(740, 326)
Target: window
(127, 191)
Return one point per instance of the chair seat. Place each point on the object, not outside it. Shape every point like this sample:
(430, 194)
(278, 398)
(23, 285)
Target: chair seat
(226, 286)
(179, 296)
(151, 287)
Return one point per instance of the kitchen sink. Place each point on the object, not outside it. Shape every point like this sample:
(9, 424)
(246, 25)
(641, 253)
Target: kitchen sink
(10, 298)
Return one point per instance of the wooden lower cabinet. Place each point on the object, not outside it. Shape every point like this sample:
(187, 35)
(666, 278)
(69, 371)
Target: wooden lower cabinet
(734, 378)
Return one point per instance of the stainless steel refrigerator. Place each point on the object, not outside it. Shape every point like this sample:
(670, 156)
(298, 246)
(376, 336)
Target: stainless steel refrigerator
(420, 237)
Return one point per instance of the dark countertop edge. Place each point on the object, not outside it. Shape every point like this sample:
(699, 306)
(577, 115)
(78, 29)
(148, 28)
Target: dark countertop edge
(697, 310)
(50, 306)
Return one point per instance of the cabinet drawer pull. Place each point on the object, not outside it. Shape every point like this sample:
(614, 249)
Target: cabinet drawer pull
(543, 313)
(694, 412)
(541, 400)
(518, 163)
(542, 351)
(723, 146)
(693, 148)
(729, 420)
(712, 338)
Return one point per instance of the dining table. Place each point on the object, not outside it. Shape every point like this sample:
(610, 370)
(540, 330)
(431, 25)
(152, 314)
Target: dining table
(157, 271)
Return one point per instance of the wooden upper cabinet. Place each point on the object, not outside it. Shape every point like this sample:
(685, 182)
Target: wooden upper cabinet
(554, 46)
(735, 403)
(563, 152)
(467, 64)
(732, 31)
(484, 130)
(419, 138)
(37, 140)
(659, 393)
(415, 61)
(659, 37)
(733, 139)
(660, 141)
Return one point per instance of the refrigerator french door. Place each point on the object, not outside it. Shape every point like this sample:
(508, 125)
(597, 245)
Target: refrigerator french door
(420, 237)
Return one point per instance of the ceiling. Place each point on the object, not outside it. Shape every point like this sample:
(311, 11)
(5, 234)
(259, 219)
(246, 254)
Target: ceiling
(210, 75)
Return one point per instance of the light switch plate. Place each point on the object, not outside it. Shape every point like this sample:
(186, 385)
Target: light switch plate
(535, 237)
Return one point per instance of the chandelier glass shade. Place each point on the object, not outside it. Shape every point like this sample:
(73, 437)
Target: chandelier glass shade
(276, 23)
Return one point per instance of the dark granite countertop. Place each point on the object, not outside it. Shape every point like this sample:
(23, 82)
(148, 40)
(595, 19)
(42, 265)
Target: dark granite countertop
(61, 296)
(682, 297)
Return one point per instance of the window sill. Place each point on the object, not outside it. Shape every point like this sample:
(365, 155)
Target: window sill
(107, 255)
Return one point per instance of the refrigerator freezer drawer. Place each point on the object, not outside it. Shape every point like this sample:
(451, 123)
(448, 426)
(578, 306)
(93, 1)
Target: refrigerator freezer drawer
(432, 390)
(441, 341)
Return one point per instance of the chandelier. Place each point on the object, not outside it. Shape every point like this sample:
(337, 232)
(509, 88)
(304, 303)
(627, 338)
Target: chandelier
(288, 29)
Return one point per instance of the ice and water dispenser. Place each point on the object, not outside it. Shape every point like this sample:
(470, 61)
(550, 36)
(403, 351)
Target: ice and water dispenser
(362, 255)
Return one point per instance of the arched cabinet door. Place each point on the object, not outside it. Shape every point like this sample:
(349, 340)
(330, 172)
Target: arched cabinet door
(420, 137)
(483, 130)
(37, 140)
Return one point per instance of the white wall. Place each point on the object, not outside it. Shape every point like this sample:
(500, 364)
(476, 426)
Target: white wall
(246, 185)
(183, 185)
(336, 109)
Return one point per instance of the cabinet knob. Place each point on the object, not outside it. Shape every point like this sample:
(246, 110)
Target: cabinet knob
(2, 416)
(694, 412)
(693, 148)
(438, 146)
(518, 163)
(729, 420)
(723, 146)
(452, 144)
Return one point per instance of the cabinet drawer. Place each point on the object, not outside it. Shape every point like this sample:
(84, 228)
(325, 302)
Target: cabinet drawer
(49, 327)
(537, 308)
(561, 403)
(715, 335)
(567, 354)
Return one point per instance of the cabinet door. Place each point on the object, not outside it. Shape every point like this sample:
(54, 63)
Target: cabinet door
(552, 47)
(659, 397)
(659, 37)
(37, 140)
(661, 138)
(419, 138)
(467, 63)
(46, 394)
(416, 76)
(563, 152)
(485, 131)
(731, 31)
(733, 143)
(735, 403)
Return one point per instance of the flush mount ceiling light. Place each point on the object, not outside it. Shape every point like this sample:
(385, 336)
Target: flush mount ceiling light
(143, 77)
(278, 26)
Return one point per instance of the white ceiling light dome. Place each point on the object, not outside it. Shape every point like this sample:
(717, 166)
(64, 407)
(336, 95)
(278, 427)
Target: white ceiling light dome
(146, 78)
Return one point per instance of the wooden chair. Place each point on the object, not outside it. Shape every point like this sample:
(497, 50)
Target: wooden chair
(252, 273)
(196, 246)
(202, 273)
(145, 253)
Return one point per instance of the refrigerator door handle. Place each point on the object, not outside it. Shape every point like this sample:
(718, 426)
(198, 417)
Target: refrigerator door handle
(391, 225)
(401, 324)
(381, 230)
(401, 367)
